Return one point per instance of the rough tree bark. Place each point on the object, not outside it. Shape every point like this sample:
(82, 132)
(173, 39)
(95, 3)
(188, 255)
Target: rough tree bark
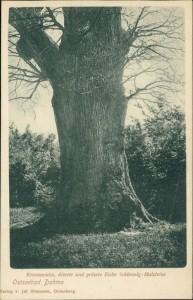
(95, 192)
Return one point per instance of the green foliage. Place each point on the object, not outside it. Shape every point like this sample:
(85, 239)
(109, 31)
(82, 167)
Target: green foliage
(34, 168)
(157, 160)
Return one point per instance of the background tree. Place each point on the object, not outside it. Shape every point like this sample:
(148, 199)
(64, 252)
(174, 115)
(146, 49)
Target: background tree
(156, 154)
(33, 169)
(85, 69)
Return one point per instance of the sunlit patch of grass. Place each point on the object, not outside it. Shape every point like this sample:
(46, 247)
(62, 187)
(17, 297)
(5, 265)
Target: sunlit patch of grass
(24, 216)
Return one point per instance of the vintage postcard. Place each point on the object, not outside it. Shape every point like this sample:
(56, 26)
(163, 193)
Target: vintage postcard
(96, 173)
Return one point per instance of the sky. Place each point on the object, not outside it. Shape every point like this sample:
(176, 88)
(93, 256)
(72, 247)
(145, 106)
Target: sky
(40, 117)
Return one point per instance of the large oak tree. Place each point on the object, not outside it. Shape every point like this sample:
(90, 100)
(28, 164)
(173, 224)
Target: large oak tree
(85, 70)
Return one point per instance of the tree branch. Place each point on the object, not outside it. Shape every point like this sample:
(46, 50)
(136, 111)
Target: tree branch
(30, 96)
(45, 51)
(56, 23)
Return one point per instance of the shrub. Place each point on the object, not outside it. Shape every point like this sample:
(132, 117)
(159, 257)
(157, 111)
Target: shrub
(34, 168)
(157, 159)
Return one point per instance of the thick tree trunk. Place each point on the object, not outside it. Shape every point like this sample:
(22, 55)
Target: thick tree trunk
(95, 191)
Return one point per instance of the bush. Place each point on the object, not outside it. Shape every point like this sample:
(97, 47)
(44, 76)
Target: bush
(157, 160)
(34, 168)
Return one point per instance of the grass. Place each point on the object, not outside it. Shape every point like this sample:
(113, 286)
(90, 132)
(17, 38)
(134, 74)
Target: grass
(160, 245)
(23, 216)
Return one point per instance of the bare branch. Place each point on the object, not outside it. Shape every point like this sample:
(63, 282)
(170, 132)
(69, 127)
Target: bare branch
(27, 97)
(56, 23)
(154, 41)
(43, 49)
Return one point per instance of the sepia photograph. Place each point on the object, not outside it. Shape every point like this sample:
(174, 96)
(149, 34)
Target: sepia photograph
(97, 141)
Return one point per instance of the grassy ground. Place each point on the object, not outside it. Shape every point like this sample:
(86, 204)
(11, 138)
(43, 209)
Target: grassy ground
(24, 216)
(160, 245)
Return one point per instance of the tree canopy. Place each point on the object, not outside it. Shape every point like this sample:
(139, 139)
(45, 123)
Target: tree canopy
(156, 153)
(151, 48)
(34, 168)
